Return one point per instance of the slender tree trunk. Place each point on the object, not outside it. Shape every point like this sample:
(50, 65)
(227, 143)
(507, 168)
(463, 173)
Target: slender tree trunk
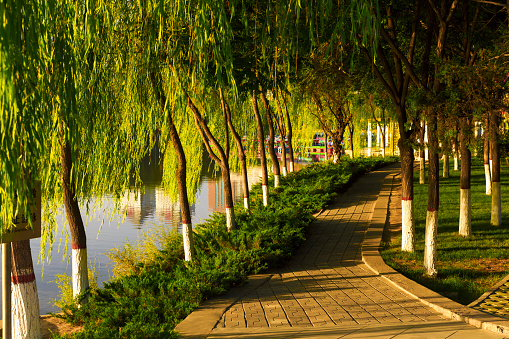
(290, 135)
(261, 145)
(26, 321)
(76, 227)
(422, 154)
(240, 149)
(181, 173)
(430, 242)
(272, 152)
(220, 159)
(456, 153)
(407, 192)
(280, 122)
(496, 201)
(446, 165)
(185, 210)
(465, 222)
(487, 167)
(350, 131)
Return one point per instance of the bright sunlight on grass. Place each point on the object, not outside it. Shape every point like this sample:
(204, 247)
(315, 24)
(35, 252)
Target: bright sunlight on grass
(467, 266)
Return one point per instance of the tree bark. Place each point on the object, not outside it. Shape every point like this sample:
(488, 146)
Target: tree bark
(261, 146)
(465, 221)
(240, 149)
(350, 131)
(220, 159)
(496, 202)
(26, 321)
(185, 210)
(76, 227)
(486, 147)
(430, 242)
(422, 154)
(280, 122)
(272, 152)
(290, 136)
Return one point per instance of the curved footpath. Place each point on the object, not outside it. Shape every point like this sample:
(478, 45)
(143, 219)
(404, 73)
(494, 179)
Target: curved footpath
(338, 286)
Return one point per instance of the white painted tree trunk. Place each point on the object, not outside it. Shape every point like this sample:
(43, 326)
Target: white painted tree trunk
(496, 204)
(187, 231)
(335, 158)
(408, 226)
(276, 180)
(456, 162)
(230, 218)
(487, 174)
(445, 173)
(79, 270)
(369, 139)
(292, 168)
(465, 223)
(422, 171)
(246, 203)
(285, 172)
(26, 322)
(430, 244)
(265, 194)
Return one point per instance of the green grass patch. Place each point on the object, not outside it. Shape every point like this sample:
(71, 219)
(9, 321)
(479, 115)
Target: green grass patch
(155, 288)
(467, 266)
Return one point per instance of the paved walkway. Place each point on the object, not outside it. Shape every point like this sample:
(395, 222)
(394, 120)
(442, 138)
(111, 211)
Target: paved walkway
(328, 291)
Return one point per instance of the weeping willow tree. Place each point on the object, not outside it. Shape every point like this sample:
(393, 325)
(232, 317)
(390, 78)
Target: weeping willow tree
(23, 57)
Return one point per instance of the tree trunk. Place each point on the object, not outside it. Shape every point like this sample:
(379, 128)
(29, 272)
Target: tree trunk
(290, 135)
(456, 154)
(261, 145)
(280, 122)
(26, 321)
(422, 154)
(446, 165)
(185, 210)
(430, 242)
(465, 222)
(272, 152)
(76, 227)
(240, 149)
(407, 191)
(350, 131)
(496, 202)
(221, 160)
(486, 147)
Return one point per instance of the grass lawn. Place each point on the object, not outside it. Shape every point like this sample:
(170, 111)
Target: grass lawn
(467, 267)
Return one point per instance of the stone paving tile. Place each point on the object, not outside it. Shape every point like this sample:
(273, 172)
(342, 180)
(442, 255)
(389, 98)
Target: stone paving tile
(326, 283)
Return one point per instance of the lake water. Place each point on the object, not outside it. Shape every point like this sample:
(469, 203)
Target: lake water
(139, 213)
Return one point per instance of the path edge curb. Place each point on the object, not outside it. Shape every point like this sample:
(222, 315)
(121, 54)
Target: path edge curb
(448, 308)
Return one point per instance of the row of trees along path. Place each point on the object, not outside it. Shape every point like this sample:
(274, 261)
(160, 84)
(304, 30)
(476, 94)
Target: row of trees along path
(88, 88)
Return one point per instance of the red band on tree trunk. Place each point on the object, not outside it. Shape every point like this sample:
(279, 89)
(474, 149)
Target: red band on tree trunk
(465, 188)
(78, 247)
(185, 222)
(407, 199)
(432, 210)
(23, 279)
(486, 163)
(229, 206)
(495, 180)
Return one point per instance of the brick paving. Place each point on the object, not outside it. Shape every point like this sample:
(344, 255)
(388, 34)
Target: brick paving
(326, 282)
